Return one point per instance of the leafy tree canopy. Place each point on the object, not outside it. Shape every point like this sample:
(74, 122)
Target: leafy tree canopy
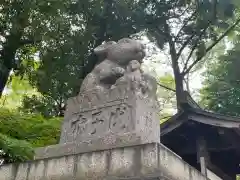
(15, 91)
(221, 91)
(166, 96)
(20, 133)
(189, 30)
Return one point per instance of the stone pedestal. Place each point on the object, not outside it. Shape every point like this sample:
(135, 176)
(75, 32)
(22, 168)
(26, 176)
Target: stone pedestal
(105, 120)
(143, 162)
(116, 112)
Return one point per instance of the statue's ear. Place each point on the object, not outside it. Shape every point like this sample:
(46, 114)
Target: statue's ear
(124, 40)
(102, 49)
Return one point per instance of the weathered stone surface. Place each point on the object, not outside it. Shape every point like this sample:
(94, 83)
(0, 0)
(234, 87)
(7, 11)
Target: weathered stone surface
(107, 110)
(60, 169)
(122, 162)
(149, 159)
(92, 166)
(123, 118)
(7, 172)
(116, 56)
(104, 143)
(141, 162)
(118, 111)
(36, 170)
(171, 164)
(22, 171)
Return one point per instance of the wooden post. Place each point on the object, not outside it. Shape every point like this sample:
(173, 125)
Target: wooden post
(204, 160)
(202, 155)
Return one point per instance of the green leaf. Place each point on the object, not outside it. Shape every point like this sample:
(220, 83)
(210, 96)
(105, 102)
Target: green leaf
(221, 91)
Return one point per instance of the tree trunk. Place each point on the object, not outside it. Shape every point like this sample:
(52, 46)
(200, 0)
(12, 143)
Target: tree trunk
(178, 79)
(175, 66)
(7, 58)
(10, 47)
(179, 86)
(4, 74)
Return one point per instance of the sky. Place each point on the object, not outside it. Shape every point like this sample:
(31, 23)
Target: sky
(161, 64)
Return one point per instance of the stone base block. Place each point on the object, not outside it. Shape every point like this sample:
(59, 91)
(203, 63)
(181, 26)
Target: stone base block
(109, 141)
(142, 162)
(97, 116)
(118, 163)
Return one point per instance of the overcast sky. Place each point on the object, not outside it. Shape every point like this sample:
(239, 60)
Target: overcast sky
(160, 62)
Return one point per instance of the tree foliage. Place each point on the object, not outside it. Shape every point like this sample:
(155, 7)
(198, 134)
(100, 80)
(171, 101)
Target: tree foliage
(221, 91)
(24, 25)
(166, 96)
(20, 133)
(15, 91)
(13, 150)
(190, 29)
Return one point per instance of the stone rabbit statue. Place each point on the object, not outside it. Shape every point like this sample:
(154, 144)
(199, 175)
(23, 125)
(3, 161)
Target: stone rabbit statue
(132, 76)
(117, 56)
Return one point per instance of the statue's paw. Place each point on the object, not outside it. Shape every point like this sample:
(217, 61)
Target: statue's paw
(99, 88)
(119, 71)
(113, 87)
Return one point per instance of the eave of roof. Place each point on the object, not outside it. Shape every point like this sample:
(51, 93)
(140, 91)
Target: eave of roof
(192, 111)
(174, 122)
(213, 119)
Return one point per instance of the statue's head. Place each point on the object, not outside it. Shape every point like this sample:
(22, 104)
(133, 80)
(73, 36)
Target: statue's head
(122, 51)
(134, 65)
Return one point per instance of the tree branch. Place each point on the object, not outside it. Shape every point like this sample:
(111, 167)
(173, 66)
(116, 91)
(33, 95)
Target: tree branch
(168, 88)
(202, 33)
(211, 46)
(24, 42)
(194, 47)
(186, 80)
(165, 117)
(184, 25)
(184, 45)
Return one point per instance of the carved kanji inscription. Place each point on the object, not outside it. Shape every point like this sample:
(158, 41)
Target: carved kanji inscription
(115, 119)
(120, 118)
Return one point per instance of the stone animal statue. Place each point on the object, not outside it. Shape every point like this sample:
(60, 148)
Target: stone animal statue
(149, 85)
(138, 81)
(116, 57)
(132, 77)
